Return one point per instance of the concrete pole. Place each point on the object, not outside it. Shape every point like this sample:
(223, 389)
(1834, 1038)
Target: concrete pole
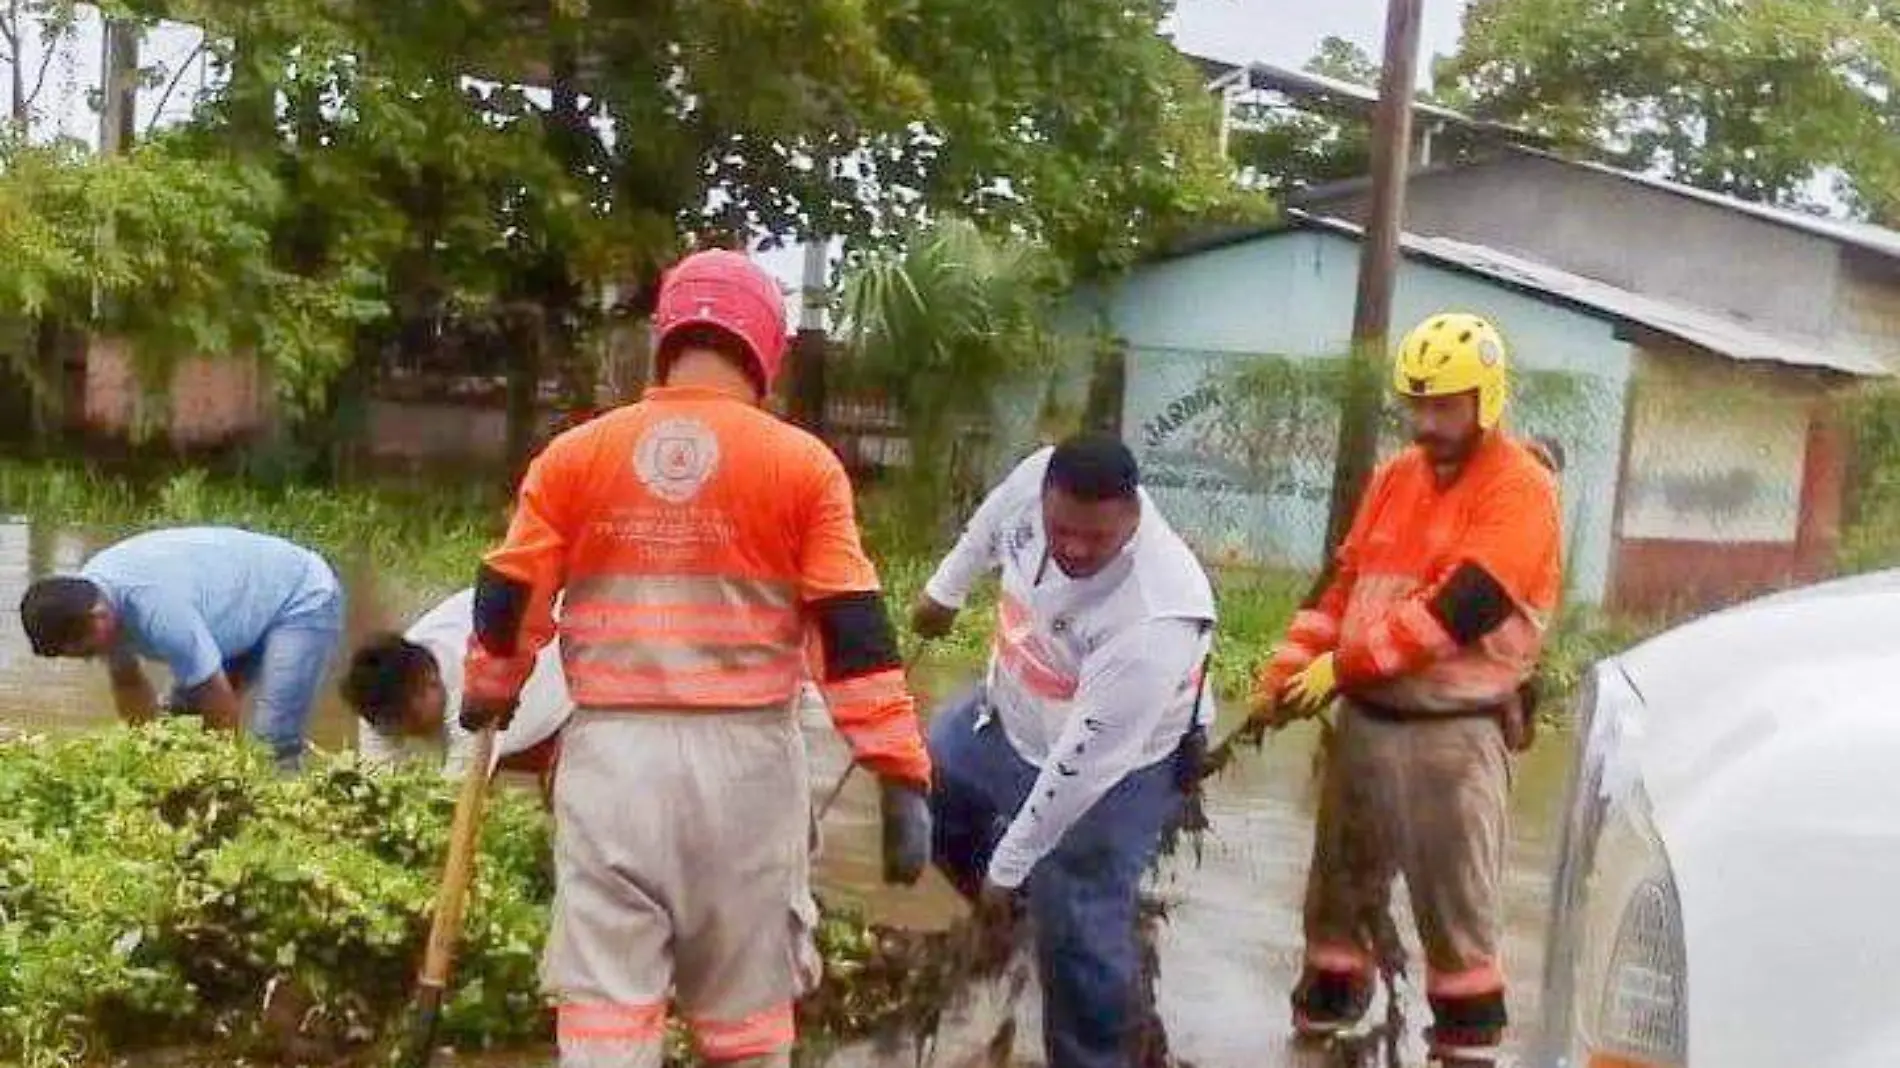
(118, 83)
(119, 80)
(814, 285)
(1378, 268)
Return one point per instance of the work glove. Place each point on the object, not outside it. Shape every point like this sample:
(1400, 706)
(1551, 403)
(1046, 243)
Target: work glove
(478, 713)
(906, 816)
(930, 619)
(1309, 692)
(997, 911)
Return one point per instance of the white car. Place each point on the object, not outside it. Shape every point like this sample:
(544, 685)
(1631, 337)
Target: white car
(1728, 883)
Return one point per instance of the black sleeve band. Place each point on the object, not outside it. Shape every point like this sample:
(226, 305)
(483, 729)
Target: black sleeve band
(1471, 604)
(857, 635)
(500, 604)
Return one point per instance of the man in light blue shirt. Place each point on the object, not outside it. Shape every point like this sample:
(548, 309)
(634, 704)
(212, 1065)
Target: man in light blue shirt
(227, 610)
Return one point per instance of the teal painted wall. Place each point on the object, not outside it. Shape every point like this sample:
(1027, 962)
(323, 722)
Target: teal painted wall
(1248, 493)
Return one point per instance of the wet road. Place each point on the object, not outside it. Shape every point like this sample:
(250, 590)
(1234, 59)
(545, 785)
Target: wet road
(1229, 952)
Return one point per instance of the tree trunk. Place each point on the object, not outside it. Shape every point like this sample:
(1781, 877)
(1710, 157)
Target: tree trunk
(250, 99)
(17, 401)
(298, 450)
(561, 293)
(806, 395)
(49, 359)
(1102, 412)
(21, 118)
(523, 335)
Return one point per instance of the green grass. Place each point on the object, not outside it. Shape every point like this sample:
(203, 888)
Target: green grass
(427, 539)
(424, 538)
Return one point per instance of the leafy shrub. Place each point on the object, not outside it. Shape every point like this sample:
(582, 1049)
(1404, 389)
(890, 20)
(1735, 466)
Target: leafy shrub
(156, 883)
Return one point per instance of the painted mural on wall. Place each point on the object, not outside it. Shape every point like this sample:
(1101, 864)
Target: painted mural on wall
(1241, 479)
(1712, 461)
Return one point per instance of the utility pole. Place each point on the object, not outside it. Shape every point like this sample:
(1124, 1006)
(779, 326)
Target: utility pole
(120, 67)
(1378, 266)
(812, 343)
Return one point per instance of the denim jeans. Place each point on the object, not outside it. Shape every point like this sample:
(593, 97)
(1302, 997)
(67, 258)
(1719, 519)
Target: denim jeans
(281, 675)
(292, 667)
(1083, 896)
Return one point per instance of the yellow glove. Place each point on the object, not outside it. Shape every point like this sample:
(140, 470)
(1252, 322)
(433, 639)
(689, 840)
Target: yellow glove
(1309, 692)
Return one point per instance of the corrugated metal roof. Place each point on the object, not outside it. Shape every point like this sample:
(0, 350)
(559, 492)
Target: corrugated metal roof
(1716, 333)
(1359, 99)
(1866, 236)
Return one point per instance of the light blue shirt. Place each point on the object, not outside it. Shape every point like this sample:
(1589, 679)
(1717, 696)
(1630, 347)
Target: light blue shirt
(195, 597)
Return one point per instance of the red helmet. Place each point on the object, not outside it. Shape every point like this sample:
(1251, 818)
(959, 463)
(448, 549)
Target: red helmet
(725, 290)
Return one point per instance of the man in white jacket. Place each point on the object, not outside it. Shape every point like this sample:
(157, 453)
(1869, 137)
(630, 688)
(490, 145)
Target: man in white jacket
(408, 687)
(1057, 778)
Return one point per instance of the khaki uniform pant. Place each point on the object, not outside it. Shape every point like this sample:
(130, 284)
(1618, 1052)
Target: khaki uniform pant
(682, 878)
(1423, 798)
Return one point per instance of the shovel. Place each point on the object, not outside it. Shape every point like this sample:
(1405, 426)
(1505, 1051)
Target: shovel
(450, 902)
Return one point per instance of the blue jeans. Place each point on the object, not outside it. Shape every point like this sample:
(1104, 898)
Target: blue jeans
(1083, 896)
(291, 668)
(282, 673)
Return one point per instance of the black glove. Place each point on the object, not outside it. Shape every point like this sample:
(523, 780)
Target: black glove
(906, 813)
(477, 714)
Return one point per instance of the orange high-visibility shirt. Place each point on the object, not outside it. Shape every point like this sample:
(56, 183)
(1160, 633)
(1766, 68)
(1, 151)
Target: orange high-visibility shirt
(695, 541)
(1408, 538)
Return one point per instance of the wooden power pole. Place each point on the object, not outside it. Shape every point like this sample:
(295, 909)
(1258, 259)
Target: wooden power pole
(1378, 267)
(812, 344)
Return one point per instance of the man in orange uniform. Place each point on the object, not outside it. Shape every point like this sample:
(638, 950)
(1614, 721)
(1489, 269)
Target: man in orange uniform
(708, 557)
(1444, 589)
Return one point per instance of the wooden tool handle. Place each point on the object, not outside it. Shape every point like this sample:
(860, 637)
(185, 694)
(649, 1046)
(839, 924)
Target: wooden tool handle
(452, 897)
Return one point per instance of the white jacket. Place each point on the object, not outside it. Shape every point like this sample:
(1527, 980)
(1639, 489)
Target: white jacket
(1102, 673)
(444, 631)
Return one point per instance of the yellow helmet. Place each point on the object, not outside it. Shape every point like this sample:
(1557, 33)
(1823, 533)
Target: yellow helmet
(1451, 354)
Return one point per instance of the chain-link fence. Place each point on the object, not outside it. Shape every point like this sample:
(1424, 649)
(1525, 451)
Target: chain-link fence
(1239, 450)
(1688, 481)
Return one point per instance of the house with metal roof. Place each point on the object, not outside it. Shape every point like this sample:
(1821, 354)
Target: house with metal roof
(1832, 285)
(1702, 457)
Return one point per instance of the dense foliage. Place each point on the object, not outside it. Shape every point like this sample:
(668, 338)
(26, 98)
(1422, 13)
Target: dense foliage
(158, 886)
(1285, 149)
(1870, 537)
(937, 328)
(1766, 100)
(359, 177)
(154, 884)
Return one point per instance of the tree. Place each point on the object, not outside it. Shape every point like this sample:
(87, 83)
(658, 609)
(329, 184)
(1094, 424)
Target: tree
(497, 211)
(1763, 100)
(188, 267)
(1283, 148)
(31, 35)
(936, 327)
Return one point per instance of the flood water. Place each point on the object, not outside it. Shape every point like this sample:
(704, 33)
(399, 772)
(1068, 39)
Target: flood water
(1230, 950)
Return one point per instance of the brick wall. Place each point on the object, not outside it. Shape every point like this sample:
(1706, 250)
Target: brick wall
(209, 401)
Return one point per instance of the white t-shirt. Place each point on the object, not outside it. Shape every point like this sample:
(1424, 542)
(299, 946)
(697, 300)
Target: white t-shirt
(445, 631)
(1091, 678)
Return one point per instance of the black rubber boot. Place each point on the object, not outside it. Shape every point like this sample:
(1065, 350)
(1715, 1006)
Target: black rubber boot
(1467, 1032)
(1327, 1003)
